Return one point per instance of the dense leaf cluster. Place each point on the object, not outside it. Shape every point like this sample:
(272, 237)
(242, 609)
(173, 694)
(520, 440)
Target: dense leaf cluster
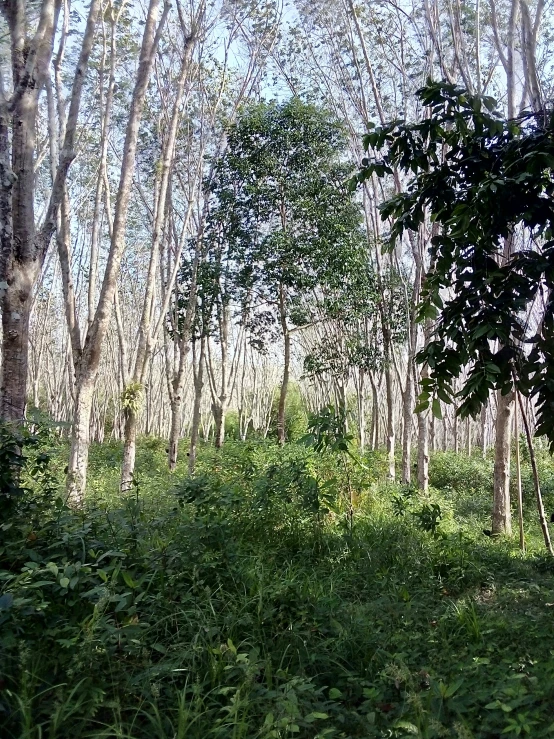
(487, 185)
(281, 223)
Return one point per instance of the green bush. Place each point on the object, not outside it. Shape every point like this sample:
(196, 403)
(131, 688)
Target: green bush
(231, 605)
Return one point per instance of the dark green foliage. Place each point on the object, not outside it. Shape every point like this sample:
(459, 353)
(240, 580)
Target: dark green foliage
(281, 223)
(483, 180)
(233, 606)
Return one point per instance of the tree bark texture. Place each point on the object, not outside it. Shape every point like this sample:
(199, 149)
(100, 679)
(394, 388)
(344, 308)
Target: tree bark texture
(501, 511)
(281, 430)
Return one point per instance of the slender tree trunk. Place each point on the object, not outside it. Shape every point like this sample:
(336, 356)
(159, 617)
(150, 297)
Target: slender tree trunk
(540, 506)
(483, 431)
(501, 512)
(390, 440)
(175, 431)
(90, 358)
(374, 415)
(407, 425)
(456, 430)
(518, 479)
(423, 452)
(129, 449)
(80, 439)
(198, 386)
(425, 429)
(219, 410)
(361, 410)
(281, 431)
(16, 313)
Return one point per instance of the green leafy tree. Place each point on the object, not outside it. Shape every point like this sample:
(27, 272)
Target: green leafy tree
(484, 180)
(281, 212)
(488, 184)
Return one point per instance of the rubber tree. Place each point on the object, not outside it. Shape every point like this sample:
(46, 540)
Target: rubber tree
(23, 242)
(151, 325)
(279, 208)
(484, 179)
(88, 360)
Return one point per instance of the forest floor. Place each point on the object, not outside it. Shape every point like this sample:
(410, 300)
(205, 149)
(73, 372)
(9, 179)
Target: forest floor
(241, 603)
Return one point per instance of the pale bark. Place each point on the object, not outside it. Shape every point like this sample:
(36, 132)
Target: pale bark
(483, 440)
(518, 478)
(90, 357)
(501, 512)
(281, 429)
(540, 506)
(129, 449)
(390, 438)
(407, 410)
(23, 248)
(80, 439)
(175, 431)
(198, 387)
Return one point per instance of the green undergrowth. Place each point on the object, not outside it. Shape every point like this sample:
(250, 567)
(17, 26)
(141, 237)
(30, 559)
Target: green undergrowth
(242, 603)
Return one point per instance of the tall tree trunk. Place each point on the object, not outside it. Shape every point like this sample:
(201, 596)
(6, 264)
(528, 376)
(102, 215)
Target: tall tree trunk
(501, 512)
(219, 408)
(90, 357)
(456, 430)
(483, 430)
(80, 439)
(374, 414)
(361, 410)
(390, 440)
(16, 313)
(22, 249)
(425, 428)
(423, 452)
(175, 430)
(407, 424)
(281, 431)
(198, 386)
(129, 448)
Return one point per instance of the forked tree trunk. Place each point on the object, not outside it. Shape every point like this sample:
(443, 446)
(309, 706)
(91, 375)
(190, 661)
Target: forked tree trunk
(22, 248)
(90, 357)
(501, 511)
(148, 328)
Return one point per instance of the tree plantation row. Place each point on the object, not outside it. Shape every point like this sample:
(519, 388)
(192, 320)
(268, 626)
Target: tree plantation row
(232, 214)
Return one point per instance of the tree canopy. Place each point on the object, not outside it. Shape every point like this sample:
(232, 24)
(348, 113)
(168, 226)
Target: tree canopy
(280, 209)
(484, 181)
